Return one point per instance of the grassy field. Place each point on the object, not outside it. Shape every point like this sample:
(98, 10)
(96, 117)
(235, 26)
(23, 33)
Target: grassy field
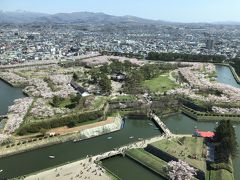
(65, 103)
(221, 174)
(98, 102)
(188, 149)
(161, 83)
(149, 160)
(195, 145)
(123, 98)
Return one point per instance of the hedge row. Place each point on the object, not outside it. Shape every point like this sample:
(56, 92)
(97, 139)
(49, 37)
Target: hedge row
(113, 101)
(35, 127)
(185, 57)
(197, 113)
(218, 166)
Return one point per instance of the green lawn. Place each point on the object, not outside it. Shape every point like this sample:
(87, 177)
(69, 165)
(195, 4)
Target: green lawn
(149, 160)
(65, 102)
(123, 98)
(98, 102)
(161, 83)
(221, 174)
(188, 149)
(195, 145)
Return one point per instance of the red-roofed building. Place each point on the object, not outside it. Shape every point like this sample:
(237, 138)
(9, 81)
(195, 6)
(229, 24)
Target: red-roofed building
(205, 134)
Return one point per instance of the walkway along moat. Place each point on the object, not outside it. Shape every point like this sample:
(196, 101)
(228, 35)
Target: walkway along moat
(36, 160)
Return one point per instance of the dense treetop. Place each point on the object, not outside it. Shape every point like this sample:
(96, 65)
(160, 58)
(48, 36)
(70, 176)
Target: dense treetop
(185, 57)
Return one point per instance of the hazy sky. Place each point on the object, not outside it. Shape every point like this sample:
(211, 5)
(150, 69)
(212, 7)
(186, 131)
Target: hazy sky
(170, 10)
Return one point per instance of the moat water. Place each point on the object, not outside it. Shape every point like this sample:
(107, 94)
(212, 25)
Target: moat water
(224, 75)
(128, 169)
(35, 160)
(7, 95)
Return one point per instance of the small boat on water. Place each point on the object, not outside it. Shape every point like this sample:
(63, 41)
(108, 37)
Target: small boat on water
(156, 128)
(109, 137)
(51, 157)
(1, 170)
(140, 139)
(151, 124)
(131, 137)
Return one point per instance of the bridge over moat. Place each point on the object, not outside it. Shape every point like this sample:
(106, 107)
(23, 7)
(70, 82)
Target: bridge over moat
(72, 169)
(165, 129)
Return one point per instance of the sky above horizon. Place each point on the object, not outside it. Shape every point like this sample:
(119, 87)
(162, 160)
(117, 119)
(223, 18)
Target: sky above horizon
(168, 10)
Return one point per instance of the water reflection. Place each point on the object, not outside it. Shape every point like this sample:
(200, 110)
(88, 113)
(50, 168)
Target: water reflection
(7, 95)
(126, 169)
(224, 75)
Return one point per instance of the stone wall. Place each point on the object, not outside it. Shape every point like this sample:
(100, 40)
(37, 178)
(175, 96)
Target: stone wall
(47, 141)
(107, 128)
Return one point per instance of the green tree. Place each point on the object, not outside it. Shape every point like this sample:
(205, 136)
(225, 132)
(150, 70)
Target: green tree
(100, 78)
(117, 67)
(95, 75)
(105, 84)
(105, 69)
(75, 76)
(150, 71)
(75, 98)
(56, 101)
(43, 131)
(236, 64)
(185, 57)
(71, 124)
(128, 65)
(133, 82)
(226, 137)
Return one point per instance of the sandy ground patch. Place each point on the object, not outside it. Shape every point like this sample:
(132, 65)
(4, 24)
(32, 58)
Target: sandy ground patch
(66, 130)
(82, 169)
(116, 87)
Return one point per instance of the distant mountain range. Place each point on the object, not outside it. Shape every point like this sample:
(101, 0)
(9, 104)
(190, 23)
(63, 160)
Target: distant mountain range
(78, 18)
(70, 18)
(20, 16)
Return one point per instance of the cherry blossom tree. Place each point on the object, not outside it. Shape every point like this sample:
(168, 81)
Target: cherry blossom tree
(180, 170)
